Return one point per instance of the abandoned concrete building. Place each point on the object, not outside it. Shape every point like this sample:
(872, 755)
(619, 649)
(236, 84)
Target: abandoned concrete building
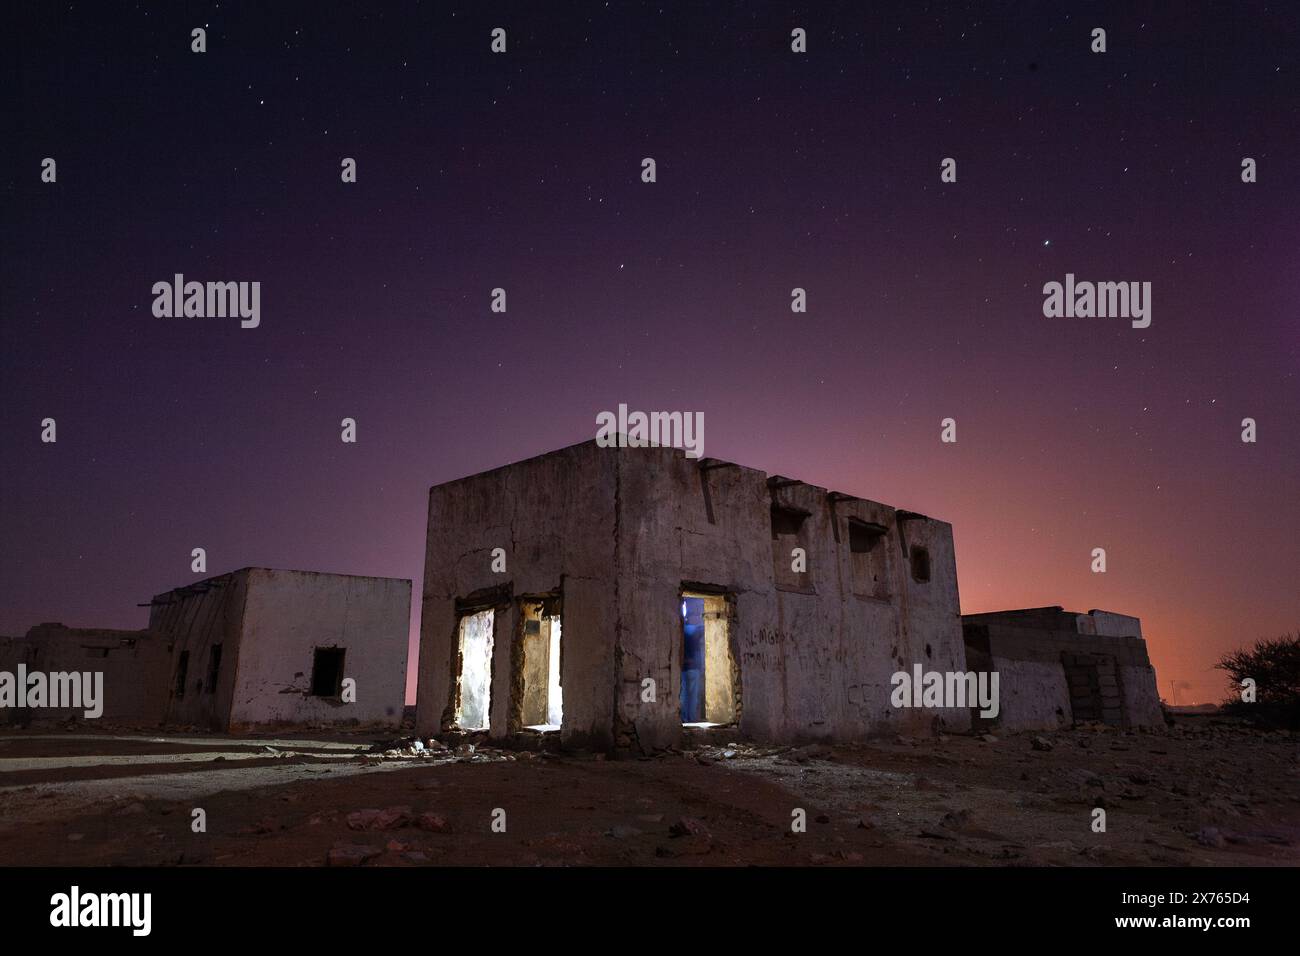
(248, 649)
(134, 664)
(614, 595)
(1058, 668)
(259, 647)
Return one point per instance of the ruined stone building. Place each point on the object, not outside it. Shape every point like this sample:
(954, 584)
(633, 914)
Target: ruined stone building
(1058, 668)
(613, 595)
(248, 649)
(135, 664)
(262, 647)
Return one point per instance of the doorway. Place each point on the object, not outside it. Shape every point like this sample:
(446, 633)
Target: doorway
(474, 673)
(707, 691)
(541, 705)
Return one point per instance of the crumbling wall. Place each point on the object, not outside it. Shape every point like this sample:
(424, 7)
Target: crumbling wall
(134, 665)
(554, 517)
(619, 533)
(287, 615)
(813, 659)
(677, 525)
(195, 618)
(1030, 649)
(930, 607)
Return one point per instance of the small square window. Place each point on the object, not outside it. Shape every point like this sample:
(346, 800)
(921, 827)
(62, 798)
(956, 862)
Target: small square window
(869, 558)
(790, 547)
(327, 672)
(920, 564)
(786, 520)
(864, 536)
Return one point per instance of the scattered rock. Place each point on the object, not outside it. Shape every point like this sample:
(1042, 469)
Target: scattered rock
(1211, 837)
(955, 820)
(433, 823)
(361, 819)
(935, 834)
(1040, 743)
(351, 854)
(690, 826)
(392, 818)
(810, 752)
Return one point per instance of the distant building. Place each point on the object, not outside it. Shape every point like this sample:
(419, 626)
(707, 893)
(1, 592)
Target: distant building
(1057, 668)
(134, 664)
(262, 647)
(614, 594)
(252, 648)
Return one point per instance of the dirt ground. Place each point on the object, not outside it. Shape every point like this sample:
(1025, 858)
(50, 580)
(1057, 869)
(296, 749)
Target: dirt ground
(1209, 792)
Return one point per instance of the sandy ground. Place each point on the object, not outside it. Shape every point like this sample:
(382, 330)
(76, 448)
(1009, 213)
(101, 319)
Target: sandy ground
(1209, 792)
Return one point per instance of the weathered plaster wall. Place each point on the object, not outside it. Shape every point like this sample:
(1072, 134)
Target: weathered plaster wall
(1033, 695)
(194, 619)
(930, 610)
(268, 623)
(1026, 648)
(554, 516)
(665, 539)
(134, 665)
(620, 532)
(288, 614)
(815, 659)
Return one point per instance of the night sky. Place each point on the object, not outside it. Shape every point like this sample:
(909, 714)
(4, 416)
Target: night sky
(775, 170)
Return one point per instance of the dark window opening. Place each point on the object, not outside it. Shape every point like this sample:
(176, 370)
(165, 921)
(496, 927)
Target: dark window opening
(182, 666)
(869, 558)
(327, 672)
(920, 564)
(786, 520)
(864, 536)
(214, 668)
(790, 529)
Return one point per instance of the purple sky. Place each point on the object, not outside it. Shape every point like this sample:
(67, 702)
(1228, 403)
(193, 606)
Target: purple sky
(774, 170)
